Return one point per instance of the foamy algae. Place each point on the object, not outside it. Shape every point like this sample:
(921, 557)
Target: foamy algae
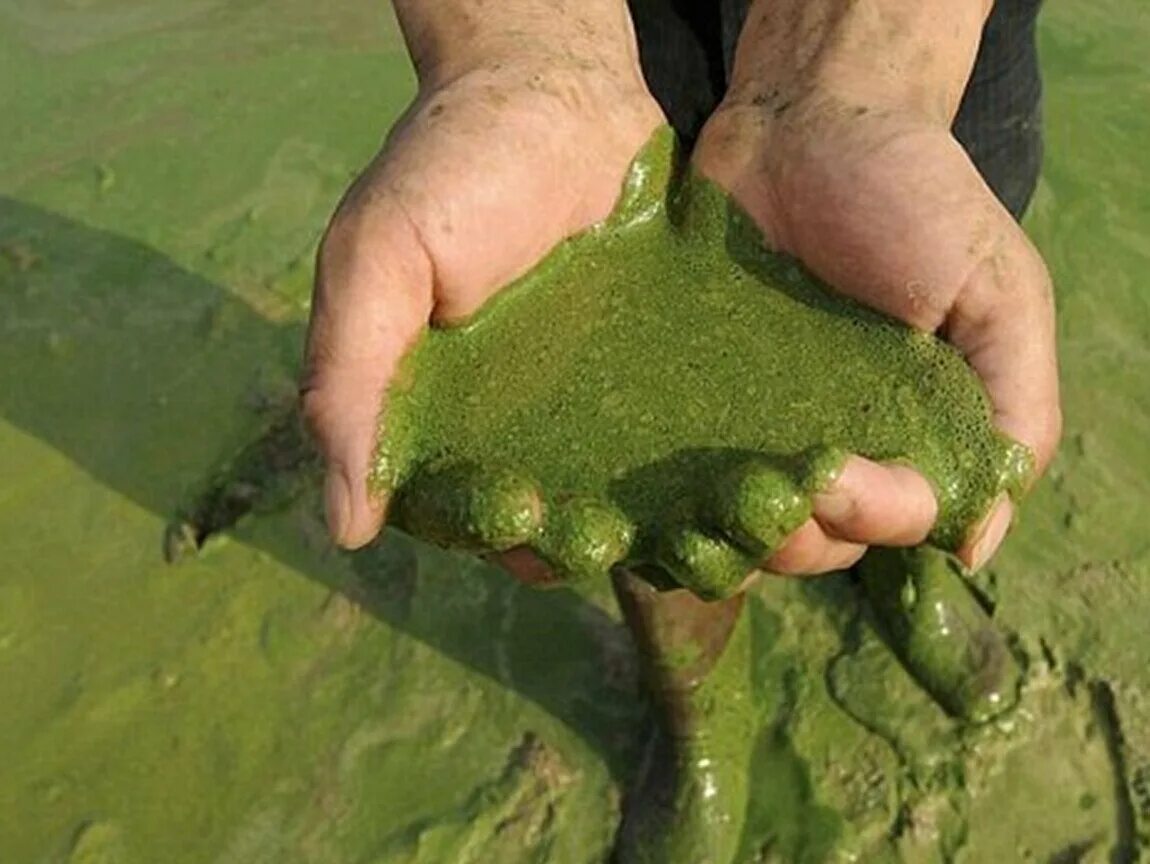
(664, 389)
(233, 709)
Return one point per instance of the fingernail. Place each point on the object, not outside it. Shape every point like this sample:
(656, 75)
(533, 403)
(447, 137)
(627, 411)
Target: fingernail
(337, 504)
(992, 534)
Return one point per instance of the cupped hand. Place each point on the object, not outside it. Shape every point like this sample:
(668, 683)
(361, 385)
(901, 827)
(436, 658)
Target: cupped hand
(485, 173)
(887, 208)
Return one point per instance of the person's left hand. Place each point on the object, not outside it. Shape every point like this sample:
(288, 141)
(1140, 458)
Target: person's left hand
(886, 207)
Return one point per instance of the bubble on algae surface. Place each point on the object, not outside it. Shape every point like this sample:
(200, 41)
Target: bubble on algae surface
(697, 388)
(233, 704)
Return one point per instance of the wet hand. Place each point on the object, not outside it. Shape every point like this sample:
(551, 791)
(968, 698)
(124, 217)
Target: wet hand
(490, 167)
(871, 191)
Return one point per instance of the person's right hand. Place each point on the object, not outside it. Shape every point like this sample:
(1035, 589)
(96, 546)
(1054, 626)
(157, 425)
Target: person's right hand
(485, 173)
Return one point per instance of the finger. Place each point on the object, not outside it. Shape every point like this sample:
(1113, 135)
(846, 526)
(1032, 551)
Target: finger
(372, 297)
(1003, 323)
(873, 504)
(463, 506)
(984, 539)
(809, 550)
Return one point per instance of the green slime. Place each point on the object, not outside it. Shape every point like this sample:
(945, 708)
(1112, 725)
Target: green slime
(703, 819)
(663, 389)
(225, 133)
(938, 629)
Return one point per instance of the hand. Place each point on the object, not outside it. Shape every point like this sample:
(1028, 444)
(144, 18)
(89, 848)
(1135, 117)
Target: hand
(881, 202)
(490, 168)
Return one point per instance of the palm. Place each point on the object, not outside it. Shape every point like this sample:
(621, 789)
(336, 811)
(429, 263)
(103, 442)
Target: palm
(489, 175)
(480, 179)
(889, 210)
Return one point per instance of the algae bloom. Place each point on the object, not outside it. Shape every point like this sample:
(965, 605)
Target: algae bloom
(664, 390)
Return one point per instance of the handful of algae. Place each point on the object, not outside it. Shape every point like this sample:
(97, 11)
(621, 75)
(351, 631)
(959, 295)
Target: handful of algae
(664, 390)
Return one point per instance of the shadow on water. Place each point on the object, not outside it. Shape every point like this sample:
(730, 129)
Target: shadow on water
(149, 377)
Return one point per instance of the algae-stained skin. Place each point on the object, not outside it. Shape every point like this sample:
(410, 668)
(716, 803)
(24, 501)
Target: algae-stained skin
(668, 366)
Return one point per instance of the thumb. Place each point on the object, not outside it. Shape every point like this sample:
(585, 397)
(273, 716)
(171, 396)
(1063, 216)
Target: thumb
(1003, 323)
(372, 298)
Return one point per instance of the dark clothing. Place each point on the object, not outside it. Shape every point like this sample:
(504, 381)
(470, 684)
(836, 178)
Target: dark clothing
(687, 47)
(1000, 119)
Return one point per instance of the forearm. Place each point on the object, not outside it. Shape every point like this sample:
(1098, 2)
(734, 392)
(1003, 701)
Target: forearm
(447, 38)
(907, 55)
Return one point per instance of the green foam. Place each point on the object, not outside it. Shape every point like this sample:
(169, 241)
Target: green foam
(647, 362)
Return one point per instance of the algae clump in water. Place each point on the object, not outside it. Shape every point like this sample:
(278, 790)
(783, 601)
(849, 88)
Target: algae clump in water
(663, 389)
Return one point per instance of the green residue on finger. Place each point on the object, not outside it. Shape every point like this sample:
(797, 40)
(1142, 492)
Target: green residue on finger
(710, 566)
(472, 507)
(234, 709)
(584, 539)
(759, 504)
(668, 366)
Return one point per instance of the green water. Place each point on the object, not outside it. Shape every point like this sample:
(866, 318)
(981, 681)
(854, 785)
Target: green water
(166, 170)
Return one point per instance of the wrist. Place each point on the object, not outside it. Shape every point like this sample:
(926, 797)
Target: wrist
(448, 40)
(906, 57)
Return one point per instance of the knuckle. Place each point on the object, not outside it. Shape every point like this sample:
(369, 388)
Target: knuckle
(862, 527)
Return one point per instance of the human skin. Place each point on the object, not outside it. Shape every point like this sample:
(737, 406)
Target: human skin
(525, 122)
(835, 137)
